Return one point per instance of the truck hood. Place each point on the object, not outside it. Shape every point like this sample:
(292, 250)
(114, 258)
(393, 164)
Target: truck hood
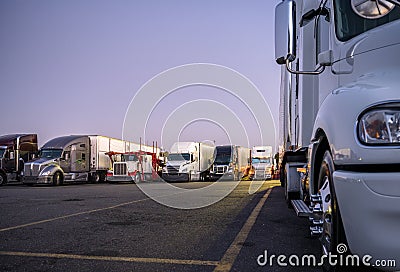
(177, 164)
(41, 161)
(385, 36)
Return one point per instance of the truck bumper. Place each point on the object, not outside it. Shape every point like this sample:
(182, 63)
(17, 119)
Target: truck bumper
(175, 177)
(37, 180)
(120, 178)
(225, 176)
(261, 174)
(370, 207)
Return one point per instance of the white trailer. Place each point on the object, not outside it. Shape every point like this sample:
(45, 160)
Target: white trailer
(261, 161)
(188, 161)
(340, 121)
(73, 158)
(230, 162)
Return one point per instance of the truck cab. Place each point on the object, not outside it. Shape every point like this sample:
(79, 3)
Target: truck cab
(133, 166)
(340, 125)
(224, 163)
(262, 162)
(15, 150)
(188, 161)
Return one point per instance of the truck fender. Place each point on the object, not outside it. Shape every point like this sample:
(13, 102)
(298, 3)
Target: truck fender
(50, 170)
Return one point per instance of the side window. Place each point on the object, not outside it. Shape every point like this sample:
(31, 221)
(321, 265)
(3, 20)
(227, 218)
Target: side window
(67, 155)
(83, 156)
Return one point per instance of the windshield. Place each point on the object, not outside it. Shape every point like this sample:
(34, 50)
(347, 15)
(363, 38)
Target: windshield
(2, 151)
(179, 157)
(223, 157)
(348, 24)
(261, 160)
(130, 157)
(50, 153)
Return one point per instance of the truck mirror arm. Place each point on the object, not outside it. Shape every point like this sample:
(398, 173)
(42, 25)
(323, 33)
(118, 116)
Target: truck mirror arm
(317, 71)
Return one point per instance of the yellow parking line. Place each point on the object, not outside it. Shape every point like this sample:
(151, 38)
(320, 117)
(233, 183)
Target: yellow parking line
(233, 251)
(109, 258)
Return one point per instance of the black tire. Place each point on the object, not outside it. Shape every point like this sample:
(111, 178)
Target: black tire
(95, 178)
(289, 195)
(333, 232)
(138, 178)
(57, 179)
(3, 179)
(102, 176)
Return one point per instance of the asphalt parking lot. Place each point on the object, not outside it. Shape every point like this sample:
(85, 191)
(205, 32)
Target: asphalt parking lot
(116, 227)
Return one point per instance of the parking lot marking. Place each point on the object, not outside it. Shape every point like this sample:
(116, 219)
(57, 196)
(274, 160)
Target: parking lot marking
(76, 214)
(233, 251)
(109, 258)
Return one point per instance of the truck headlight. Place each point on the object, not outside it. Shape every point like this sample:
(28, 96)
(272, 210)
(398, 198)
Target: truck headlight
(45, 173)
(380, 126)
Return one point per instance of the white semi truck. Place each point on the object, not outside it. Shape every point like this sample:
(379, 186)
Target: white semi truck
(189, 161)
(262, 161)
(73, 158)
(340, 121)
(230, 162)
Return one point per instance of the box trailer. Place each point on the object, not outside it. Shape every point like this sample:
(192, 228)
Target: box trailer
(73, 158)
(15, 150)
(188, 161)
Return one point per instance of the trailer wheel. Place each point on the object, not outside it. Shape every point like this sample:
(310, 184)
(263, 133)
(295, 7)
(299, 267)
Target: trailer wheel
(57, 179)
(3, 179)
(333, 231)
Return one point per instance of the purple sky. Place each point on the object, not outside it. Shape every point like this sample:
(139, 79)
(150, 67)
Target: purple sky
(73, 66)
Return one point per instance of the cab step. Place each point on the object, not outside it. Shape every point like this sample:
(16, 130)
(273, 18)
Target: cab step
(301, 208)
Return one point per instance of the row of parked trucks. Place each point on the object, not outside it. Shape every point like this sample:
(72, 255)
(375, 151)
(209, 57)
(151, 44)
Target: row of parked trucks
(96, 159)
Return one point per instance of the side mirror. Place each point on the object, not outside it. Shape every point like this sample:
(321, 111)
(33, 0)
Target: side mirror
(285, 32)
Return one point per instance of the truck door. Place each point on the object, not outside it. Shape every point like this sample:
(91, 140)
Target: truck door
(9, 160)
(65, 160)
(79, 157)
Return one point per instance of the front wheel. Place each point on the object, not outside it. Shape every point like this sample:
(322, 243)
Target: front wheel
(57, 179)
(3, 179)
(332, 227)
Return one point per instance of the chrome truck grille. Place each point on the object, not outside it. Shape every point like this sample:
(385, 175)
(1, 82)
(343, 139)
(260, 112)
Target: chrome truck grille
(172, 170)
(220, 169)
(32, 169)
(120, 169)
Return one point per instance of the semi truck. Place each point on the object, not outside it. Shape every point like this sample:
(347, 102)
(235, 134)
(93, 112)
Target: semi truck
(15, 150)
(189, 161)
(135, 165)
(340, 121)
(73, 158)
(230, 162)
(262, 162)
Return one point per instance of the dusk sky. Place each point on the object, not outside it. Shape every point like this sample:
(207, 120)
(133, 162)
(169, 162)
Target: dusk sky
(73, 66)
